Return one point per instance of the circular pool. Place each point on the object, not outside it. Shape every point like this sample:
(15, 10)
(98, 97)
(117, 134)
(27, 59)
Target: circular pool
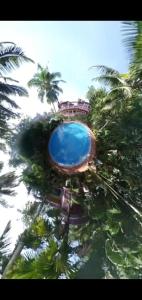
(70, 145)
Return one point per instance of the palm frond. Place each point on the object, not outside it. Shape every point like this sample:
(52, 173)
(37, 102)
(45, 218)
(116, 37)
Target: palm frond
(126, 89)
(11, 57)
(5, 78)
(4, 241)
(8, 100)
(58, 81)
(29, 255)
(8, 111)
(57, 88)
(55, 75)
(4, 203)
(133, 39)
(34, 82)
(39, 67)
(1, 165)
(109, 80)
(7, 183)
(6, 42)
(52, 96)
(12, 89)
(2, 146)
(7, 228)
(105, 70)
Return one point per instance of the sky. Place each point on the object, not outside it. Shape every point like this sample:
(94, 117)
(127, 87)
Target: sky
(69, 47)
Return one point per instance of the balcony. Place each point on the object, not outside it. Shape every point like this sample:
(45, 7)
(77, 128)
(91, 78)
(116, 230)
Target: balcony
(73, 108)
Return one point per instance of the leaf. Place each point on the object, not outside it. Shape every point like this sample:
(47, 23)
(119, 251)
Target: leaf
(113, 211)
(113, 255)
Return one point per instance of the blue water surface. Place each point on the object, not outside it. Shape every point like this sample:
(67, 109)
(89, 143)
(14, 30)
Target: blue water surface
(69, 144)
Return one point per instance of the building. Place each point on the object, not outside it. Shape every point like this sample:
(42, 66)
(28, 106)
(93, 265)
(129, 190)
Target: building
(74, 108)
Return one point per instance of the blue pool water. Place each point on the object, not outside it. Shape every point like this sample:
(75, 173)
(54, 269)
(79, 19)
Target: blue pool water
(69, 144)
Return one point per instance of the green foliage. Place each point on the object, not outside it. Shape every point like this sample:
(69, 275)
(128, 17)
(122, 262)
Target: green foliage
(32, 146)
(114, 191)
(109, 245)
(48, 264)
(128, 261)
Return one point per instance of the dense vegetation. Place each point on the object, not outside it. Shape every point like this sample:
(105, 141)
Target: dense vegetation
(109, 244)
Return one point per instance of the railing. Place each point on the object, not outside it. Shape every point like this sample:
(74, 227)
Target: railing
(73, 113)
(68, 106)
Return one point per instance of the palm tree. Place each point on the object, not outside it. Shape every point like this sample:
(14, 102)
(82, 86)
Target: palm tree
(49, 261)
(20, 243)
(46, 84)
(113, 79)
(121, 87)
(48, 264)
(11, 57)
(132, 31)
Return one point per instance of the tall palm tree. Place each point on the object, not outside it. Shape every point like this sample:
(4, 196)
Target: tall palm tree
(46, 84)
(11, 57)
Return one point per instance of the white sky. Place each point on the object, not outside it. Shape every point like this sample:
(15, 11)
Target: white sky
(70, 48)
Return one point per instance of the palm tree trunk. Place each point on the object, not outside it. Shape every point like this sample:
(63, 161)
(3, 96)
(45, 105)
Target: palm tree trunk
(14, 257)
(20, 245)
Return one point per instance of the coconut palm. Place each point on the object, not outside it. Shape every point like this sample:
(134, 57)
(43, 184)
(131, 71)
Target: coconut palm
(46, 84)
(11, 57)
(113, 79)
(44, 257)
(132, 32)
(48, 264)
